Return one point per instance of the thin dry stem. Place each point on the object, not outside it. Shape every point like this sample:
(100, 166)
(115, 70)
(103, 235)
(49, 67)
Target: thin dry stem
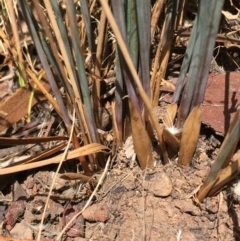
(98, 64)
(16, 38)
(54, 178)
(44, 91)
(157, 10)
(89, 200)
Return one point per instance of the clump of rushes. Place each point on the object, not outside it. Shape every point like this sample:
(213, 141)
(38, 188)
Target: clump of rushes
(62, 41)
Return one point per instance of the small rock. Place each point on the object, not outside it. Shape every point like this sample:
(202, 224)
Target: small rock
(186, 235)
(236, 156)
(21, 231)
(29, 183)
(186, 206)
(97, 213)
(129, 183)
(222, 229)
(202, 173)
(211, 217)
(77, 227)
(237, 189)
(15, 210)
(160, 185)
(211, 204)
(203, 157)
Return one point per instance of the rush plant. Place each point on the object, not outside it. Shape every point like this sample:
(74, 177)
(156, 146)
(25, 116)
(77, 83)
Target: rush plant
(79, 42)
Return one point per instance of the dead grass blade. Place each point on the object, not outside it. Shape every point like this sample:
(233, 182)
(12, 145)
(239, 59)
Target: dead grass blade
(97, 66)
(190, 135)
(81, 151)
(115, 127)
(156, 12)
(20, 64)
(78, 176)
(164, 57)
(45, 154)
(221, 38)
(171, 141)
(9, 141)
(155, 78)
(141, 141)
(163, 149)
(163, 52)
(15, 159)
(81, 158)
(180, 16)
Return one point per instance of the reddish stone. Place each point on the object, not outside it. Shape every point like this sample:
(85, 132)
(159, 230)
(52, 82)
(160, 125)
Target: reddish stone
(221, 100)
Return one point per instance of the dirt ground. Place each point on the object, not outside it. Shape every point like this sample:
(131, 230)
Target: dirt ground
(131, 204)
(158, 204)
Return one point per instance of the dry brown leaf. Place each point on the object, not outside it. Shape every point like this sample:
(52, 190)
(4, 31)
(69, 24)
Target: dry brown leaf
(15, 210)
(218, 180)
(170, 114)
(15, 107)
(81, 151)
(224, 176)
(141, 141)
(190, 135)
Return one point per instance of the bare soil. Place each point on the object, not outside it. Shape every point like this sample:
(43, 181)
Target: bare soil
(131, 204)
